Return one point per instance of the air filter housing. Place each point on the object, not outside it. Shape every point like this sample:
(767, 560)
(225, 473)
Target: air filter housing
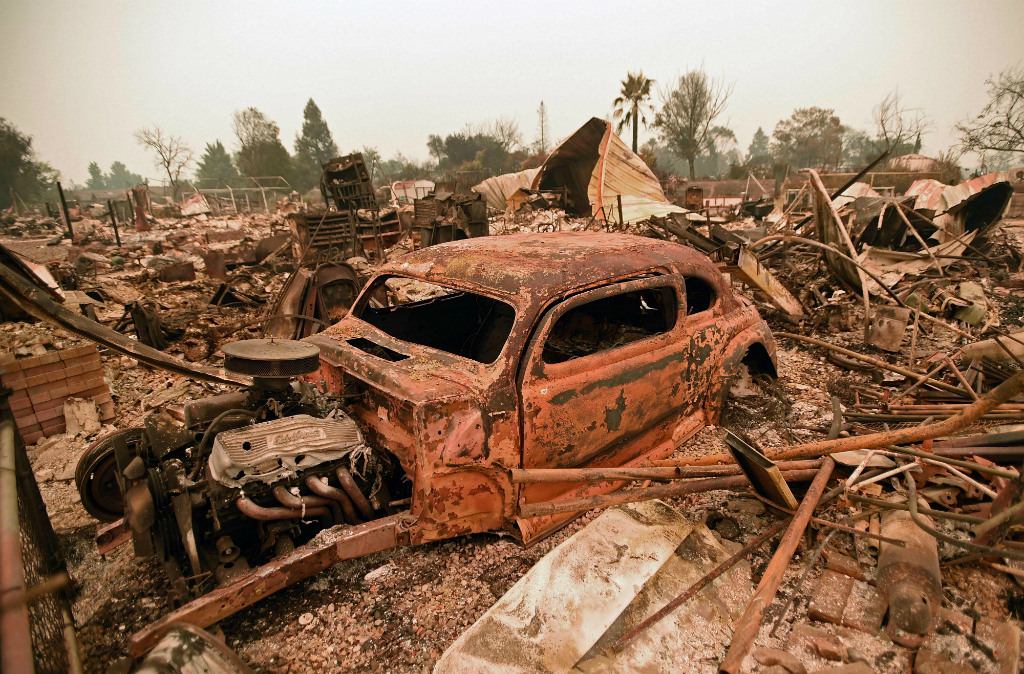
(271, 358)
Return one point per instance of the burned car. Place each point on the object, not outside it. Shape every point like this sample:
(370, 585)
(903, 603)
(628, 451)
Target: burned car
(456, 364)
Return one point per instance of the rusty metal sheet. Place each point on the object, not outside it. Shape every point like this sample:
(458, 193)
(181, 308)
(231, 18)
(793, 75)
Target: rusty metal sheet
(180, 271)
(749, 270)
(887, 328)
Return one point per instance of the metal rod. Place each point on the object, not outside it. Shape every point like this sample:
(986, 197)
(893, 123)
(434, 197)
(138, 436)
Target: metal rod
(534, 475)
(967, 417)
(16, 655)
(921, 382)
(747, 627)
(940, 514)
(701, 584)
(529, 510)
(970, 465)
(960, 377)
(64, 211)
(807, 570)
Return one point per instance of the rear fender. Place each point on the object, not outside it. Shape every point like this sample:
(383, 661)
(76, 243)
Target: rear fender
(757, 334)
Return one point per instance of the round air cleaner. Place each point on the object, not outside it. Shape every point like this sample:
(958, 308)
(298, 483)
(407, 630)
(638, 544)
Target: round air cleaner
(271, 358)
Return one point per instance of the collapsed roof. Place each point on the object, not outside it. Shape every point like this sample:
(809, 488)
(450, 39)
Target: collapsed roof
(596, 167)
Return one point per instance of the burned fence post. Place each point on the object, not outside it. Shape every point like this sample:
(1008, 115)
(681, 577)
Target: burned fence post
(113, 222)
(64, 210)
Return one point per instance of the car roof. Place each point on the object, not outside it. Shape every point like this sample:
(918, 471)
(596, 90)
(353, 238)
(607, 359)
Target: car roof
(537, 266)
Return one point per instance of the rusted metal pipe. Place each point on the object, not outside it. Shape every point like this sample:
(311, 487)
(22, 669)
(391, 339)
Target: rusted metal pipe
(747, 628)
(16, 654)
(354, 493)
(339, 495)
(304, 503)
(967, 417)
(258, 512)
(701, 584)
(635, 495)
(533, 475)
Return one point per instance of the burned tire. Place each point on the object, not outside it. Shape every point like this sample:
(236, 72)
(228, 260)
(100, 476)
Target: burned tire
(96, 475)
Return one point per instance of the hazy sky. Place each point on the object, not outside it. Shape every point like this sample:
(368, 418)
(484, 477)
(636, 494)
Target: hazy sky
(81, 76)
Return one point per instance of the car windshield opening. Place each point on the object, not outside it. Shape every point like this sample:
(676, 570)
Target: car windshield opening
(454, 321)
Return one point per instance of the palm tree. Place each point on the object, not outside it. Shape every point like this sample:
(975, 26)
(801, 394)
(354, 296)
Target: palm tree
(631, 103)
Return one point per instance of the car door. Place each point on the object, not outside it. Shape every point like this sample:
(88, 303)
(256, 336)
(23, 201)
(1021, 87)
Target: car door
(705, 332)
(602, 367)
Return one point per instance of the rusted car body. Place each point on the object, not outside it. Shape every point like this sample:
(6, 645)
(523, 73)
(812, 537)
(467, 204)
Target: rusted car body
(461, 362)
(593, 350)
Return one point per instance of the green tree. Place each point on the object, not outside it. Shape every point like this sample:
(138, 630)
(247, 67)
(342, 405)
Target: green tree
(634, 99)
(96, 181)
(810, 138)
(120, 177)
(215, 165)
(314, 148)
(759, 151)
(688, 113)
(19, 169)
(260, 151)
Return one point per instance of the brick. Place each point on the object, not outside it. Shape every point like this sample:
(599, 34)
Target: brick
(18, 385)
(54, 430)
(67, 354)
(844, 564)
(78, 378)
(26, 421)
(87, 349)
(74, 370)
(60, 391)
(17, 405)
(92, 364)
(38, 398)
(46, 415)
(830, 597)
(1004, 640)
(36, 390)
(48, 426)
(36, 380)
(28, 363)
(7, 357)
(29, 438)
(13, 375)
(865, 608)
(101, 398)
(57, 402)
(96, 382)
(44, 369)
(93, 392)
(49, 357)
(77, 387)
(34, 428)
(20, 394)
(56, 376)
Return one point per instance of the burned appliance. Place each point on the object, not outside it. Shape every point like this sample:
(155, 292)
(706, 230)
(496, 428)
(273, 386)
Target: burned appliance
(357, 224)
(446, 216)
(248, 477)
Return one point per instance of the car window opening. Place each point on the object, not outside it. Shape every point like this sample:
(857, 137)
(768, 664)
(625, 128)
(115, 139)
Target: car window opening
(457, 322)
(700, 296)
(610, 322)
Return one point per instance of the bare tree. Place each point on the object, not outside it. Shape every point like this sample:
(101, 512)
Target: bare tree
(1000, 126)
(897, 125)
(688, 113)
(507, 133)
(543, 136)
(172, 154)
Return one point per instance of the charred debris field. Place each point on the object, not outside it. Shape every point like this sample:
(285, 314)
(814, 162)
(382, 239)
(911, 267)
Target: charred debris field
(493, 429)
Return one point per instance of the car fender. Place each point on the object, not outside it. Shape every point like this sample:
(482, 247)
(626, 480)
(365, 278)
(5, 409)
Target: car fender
(735, 352)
